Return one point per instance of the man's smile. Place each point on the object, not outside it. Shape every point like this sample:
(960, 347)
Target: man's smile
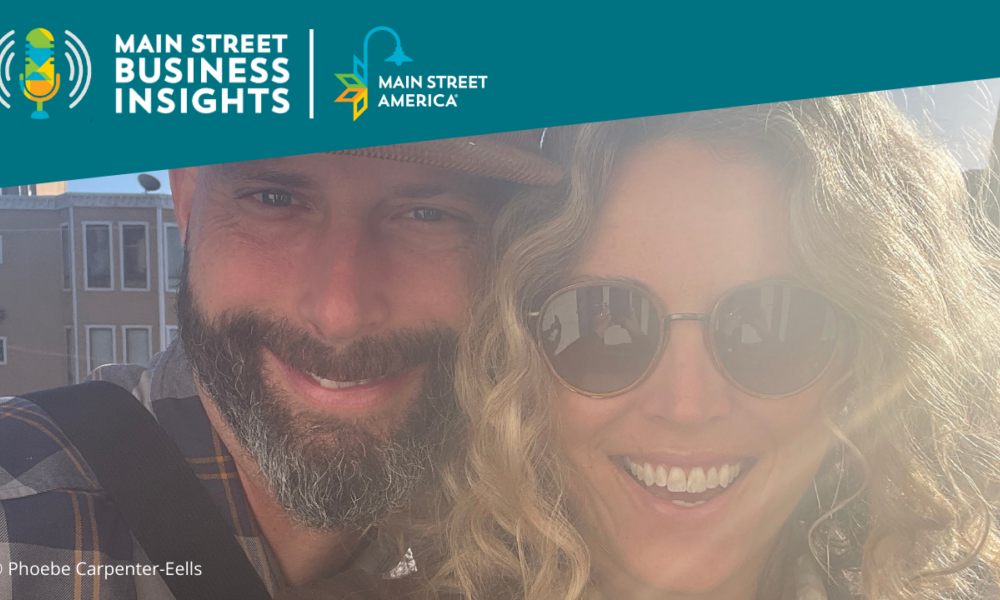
(359, 395)
(339, 385)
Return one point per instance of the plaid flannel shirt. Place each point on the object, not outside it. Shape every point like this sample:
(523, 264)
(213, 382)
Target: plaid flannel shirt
(53, 511)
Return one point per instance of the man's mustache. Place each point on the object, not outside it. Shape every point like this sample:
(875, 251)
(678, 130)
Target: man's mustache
(366, 358)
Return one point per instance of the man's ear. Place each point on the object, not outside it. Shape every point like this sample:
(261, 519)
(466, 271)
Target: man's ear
(182, 186)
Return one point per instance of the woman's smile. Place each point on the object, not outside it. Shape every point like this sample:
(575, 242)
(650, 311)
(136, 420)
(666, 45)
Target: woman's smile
(685, 487)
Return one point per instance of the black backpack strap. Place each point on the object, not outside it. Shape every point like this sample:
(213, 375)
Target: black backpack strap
(147, 478)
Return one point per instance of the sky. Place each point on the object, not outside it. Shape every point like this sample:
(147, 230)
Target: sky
(117, 184)
(960, 115)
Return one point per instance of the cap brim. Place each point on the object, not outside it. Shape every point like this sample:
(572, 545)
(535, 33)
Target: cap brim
(474, 155)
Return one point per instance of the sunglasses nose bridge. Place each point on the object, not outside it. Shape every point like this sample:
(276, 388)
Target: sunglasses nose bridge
(667, 319)
(705, 320)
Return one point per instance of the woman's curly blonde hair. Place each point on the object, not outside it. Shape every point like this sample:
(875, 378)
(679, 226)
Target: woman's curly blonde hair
(882, 224)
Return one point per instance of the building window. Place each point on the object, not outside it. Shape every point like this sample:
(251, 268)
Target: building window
(20, 190)
(138, 345)
(135, 256)
(97, 267)
(3, 350)
(67, 251)
(70, 357)
(171, 333)
(100, 345)
(175, 256)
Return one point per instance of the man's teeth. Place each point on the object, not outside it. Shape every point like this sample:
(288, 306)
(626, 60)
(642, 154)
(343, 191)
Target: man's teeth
(338, 385)
(695, 481)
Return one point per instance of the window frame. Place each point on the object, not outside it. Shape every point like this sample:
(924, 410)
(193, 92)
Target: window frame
(70, 357)
(121, 254)
(168, 329)
(111, 256)
(114, 345)
(67, 246)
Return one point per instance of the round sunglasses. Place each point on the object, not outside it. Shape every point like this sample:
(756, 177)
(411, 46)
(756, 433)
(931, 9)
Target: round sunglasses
(770, 339)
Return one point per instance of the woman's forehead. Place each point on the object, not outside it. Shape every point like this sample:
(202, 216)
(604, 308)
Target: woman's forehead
(677, 172)
(682, 209)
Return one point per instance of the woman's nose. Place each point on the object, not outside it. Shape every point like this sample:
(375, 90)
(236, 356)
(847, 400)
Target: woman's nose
(685, 389)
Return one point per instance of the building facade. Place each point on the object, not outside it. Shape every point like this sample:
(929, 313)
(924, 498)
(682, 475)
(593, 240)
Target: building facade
(85, 280)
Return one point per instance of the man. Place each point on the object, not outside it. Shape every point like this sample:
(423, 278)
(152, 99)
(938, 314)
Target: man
(318, 312)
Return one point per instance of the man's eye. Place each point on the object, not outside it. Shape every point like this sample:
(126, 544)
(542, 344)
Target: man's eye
(274, 198)
(428, 214)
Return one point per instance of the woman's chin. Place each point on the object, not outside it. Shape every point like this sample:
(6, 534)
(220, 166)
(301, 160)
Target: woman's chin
(669, 571)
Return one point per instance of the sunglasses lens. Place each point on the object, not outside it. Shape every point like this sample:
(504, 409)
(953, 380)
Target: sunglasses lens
(600, 339)
(775, 339)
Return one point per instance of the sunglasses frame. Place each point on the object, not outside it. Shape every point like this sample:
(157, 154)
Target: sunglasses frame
(667, 318)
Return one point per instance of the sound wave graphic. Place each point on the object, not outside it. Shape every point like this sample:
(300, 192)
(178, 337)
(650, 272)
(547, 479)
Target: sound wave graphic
(5, 51)
(77, 60)
(79, 70)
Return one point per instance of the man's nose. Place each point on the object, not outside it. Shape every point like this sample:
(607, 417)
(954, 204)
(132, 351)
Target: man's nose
(344, 294)
(686, 390)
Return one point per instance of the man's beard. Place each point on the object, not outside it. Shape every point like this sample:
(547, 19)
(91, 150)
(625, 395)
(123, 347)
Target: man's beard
(327, 472)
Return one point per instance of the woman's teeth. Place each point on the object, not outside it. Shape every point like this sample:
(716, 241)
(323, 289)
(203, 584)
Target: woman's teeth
(695, 481)
(337, 385)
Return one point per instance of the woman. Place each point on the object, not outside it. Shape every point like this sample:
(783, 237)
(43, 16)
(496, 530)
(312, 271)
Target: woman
(753, 353)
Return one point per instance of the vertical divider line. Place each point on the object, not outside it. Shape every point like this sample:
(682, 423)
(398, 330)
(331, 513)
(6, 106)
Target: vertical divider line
(312, 88)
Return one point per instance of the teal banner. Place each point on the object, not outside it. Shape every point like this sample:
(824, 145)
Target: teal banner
(94, 89)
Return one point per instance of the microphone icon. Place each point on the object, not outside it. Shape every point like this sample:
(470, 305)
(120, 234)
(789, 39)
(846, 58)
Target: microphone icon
(39, 82)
